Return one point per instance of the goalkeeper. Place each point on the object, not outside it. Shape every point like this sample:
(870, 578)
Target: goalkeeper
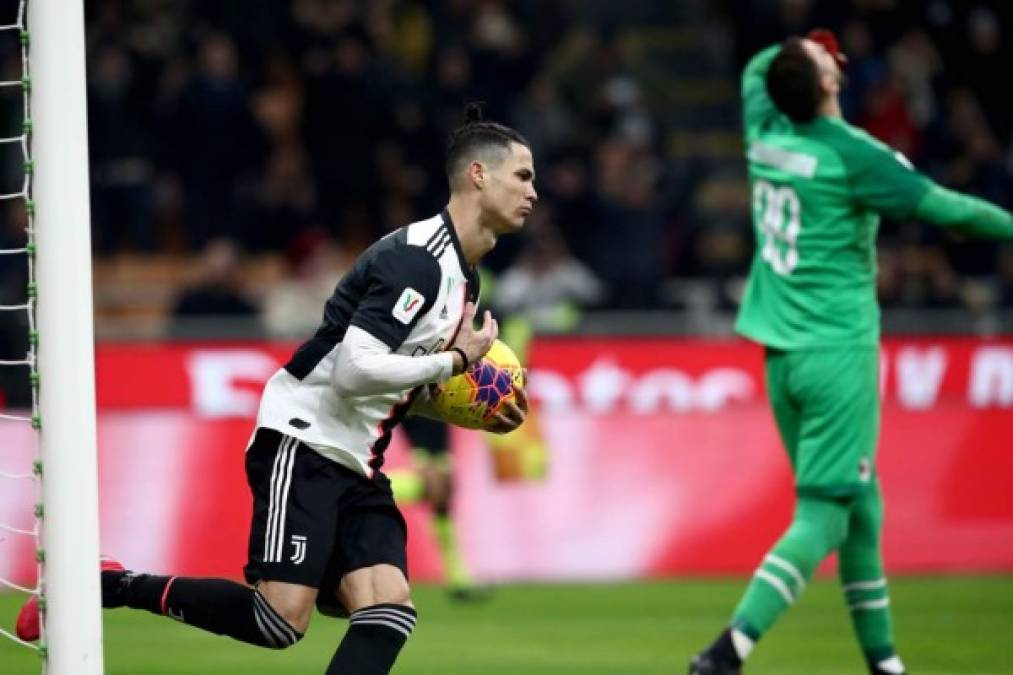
(819, 186)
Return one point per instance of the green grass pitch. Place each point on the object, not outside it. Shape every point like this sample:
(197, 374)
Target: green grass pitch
(946, 625)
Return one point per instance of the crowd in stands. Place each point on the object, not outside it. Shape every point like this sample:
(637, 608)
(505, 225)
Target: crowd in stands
(305, 129)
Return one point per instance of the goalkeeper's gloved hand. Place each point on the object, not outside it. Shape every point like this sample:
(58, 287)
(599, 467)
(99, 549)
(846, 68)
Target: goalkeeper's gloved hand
(827, 38)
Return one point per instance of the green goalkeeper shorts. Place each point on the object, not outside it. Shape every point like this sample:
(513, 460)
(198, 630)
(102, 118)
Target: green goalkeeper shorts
(826, 405)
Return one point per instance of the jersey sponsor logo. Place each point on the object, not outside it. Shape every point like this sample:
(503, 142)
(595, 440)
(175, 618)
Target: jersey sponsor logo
(299, 546)
(408, 305)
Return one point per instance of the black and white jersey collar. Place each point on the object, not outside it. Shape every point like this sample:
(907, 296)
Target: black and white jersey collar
(469, 270)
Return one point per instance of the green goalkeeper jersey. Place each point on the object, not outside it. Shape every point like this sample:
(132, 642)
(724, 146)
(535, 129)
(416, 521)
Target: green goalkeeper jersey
(818, 190)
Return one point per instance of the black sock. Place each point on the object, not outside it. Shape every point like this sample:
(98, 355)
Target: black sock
(139, 591)
(375, 636)
(216, 605)
(722, 650)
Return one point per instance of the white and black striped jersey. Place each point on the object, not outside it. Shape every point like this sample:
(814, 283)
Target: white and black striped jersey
(407, 290)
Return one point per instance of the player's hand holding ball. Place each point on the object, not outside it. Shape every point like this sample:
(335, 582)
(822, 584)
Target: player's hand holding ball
(511, 414)
(473, 344)
(489, 393)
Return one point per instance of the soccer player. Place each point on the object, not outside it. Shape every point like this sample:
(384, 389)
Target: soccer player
(432, 481)
(819, 186)
(325, 529)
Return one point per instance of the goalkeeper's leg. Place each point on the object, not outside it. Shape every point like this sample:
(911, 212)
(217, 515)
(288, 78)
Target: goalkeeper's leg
(818, 527)
(865, 588)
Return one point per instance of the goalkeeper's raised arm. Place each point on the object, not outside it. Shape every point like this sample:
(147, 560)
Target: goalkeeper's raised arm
(758, 111)
(965, 214)
(882, 180)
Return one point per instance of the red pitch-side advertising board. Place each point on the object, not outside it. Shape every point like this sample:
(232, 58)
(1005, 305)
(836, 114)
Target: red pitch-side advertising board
(664, 460)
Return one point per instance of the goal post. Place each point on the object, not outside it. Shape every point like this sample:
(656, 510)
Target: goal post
(59, 168)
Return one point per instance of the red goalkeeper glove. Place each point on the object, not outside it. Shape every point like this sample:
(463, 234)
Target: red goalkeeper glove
(827, 38)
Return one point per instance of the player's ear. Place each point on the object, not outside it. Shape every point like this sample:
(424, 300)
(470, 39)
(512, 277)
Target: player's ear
(476, 172)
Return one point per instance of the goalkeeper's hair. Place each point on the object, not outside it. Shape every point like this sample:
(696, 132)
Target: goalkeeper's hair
(478, 139)
(793, 82)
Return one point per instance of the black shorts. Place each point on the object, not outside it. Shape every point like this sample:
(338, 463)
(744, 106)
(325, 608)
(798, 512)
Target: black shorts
(314, 520)
(428, 435)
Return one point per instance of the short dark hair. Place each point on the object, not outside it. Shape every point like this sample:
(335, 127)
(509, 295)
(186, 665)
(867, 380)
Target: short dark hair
(793, 82)
(478, 136)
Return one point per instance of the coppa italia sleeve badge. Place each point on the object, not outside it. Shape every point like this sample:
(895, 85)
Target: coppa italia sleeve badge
(408, 305)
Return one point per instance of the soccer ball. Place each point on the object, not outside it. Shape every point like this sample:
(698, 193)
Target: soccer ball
(472, 399)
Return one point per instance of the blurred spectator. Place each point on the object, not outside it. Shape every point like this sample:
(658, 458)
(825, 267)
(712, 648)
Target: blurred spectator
(338, 133)
(988, 55)
(885, 115)
(865, 67)
(216, 293)
(976, 160)
(918, 277)
(916, 67)
(291, 307)
(122, 150)
(214, 142)
(543, 118)
(975, 164)
(547, 286)
(282, 202)
(628, 224)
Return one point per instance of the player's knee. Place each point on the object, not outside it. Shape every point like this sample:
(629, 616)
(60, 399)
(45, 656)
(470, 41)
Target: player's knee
(393, 592)
(278, 628)
(293, 603)
(379, 584)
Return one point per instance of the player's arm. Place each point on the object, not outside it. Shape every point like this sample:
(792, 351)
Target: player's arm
(884, 180)
(403, 285)
(366, 366)
(758, 110)
(964, 213)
